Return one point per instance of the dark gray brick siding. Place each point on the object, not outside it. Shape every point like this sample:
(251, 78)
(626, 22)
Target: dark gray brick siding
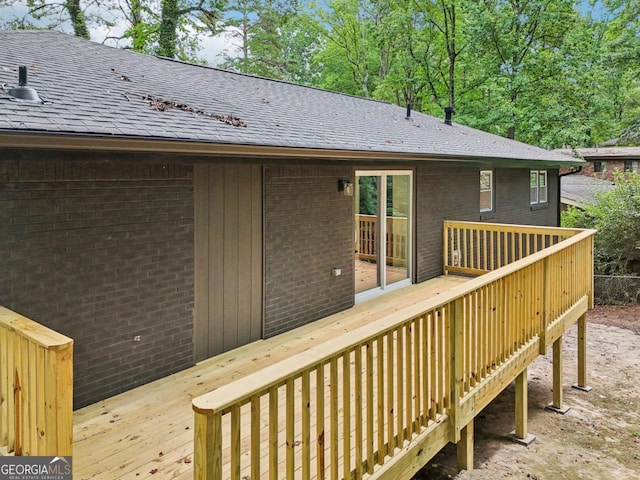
(308, 230)
(100, 248)
(101, 251)
(442, 193)
(452, 193)
(512, 199)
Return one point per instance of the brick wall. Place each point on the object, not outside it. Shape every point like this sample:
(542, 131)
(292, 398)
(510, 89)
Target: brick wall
(607, 169)
(512, 199)
(438, 200)
(308, 230)
(101, 251)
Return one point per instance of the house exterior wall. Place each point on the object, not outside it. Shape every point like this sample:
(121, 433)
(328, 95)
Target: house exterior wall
(437, 201)
(101, 248)
(101, 251)
(308, 230)
(608, 167)
(512, 199)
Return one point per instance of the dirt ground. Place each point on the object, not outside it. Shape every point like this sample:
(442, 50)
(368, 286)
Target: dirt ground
(598, 439)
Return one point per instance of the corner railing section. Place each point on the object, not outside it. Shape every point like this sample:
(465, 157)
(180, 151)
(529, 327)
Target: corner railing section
(36, 388)
(350, 408)
(477, 248)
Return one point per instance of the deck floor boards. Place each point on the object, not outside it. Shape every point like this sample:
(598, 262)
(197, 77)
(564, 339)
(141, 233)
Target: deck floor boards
(148, 432)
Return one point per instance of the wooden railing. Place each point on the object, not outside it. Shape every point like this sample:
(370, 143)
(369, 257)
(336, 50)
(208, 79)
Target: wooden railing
(396, 239)
(382, 399)
(477, 248)
(36, 388)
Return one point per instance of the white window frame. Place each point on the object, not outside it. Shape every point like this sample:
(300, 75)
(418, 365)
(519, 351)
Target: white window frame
(539, 193)
(490, 190)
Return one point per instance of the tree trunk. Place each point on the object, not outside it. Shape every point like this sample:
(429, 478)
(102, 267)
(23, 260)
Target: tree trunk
(168, 27)
(77, 18)
(451, 47)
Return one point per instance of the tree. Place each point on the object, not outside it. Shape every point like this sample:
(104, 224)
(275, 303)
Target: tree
(264, 31)
(616, 216)
(53, 15)
(178, 16)
(442, 14)
(349, 39)
(511, 38)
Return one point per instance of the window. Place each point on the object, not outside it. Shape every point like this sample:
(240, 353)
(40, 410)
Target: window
(538, 187)
(486, 190)
(598, 167)
(629, 166)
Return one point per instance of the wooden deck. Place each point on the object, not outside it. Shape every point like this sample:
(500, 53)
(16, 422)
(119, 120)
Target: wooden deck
(380, 400)
(148, 432)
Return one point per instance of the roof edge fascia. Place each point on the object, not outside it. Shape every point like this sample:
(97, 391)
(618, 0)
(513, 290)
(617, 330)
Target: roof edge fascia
(99, 143)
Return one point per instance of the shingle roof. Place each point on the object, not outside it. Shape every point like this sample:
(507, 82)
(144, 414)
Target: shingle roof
(98, 90)
(580, 190)
(604, 153)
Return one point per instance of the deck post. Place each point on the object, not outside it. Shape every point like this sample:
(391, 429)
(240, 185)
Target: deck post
(582, 355)
(546, 306)
(556, 405)
(456, 334)
(520, 434)
(207, 446)
(465, 447)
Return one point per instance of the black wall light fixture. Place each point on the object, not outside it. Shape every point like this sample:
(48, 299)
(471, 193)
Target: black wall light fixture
(346, 187)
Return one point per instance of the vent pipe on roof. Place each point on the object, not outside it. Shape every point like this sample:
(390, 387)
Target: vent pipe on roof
(22, 91)
(408, 111)
(448, 113)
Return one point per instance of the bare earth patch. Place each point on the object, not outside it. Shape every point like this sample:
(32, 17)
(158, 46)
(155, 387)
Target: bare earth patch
(599, 438)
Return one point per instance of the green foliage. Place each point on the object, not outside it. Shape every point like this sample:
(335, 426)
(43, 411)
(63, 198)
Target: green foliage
(616, 216)
(256, 28)
(368, 195)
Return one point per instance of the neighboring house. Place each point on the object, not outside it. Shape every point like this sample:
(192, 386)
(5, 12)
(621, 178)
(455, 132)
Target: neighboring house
(581, 190)
(160, 213)
(602, 162)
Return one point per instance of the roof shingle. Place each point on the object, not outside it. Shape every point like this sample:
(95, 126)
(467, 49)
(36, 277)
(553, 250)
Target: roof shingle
(95, 89)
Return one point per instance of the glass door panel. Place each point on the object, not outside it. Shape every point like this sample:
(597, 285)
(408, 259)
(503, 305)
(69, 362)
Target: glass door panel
(382, 230)
(367, 233)
(397, 234)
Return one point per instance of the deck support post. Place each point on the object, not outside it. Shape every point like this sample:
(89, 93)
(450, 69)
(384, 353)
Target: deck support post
(556, 405)
(207, 446)
(465, 447)
(582, 355)
(520, 434)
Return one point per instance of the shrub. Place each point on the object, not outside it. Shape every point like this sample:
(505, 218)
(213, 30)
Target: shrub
(616, 216)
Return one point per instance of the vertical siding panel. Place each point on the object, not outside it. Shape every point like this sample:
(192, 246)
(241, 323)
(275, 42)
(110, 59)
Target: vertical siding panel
(231, 255)
(216, 259)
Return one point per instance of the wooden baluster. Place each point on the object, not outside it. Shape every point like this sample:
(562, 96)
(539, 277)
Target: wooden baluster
(306, 426)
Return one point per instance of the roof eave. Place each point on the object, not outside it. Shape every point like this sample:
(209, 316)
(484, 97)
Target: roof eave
(104, 143)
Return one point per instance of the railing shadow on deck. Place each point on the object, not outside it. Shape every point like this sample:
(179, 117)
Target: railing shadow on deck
(380, 401)
(36, 388)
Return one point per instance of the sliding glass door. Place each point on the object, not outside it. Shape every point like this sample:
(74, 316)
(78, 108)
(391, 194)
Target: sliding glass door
(382, 231)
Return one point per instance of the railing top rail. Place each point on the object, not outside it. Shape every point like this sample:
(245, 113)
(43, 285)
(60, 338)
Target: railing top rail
(39, 334)
(259, 382)
(511, 227)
